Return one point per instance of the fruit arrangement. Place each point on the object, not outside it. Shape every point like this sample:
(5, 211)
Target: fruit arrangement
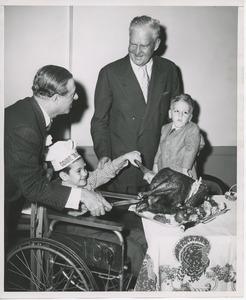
(206, 210)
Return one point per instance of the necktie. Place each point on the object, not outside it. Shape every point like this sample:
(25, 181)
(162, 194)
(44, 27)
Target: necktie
(172, 131)
(144, 81)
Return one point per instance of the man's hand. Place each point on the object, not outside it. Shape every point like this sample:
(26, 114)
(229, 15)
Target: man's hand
(132, 156)
(102, 162)
(95, 203)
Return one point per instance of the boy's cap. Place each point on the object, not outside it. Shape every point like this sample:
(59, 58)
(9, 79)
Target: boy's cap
(61, 154)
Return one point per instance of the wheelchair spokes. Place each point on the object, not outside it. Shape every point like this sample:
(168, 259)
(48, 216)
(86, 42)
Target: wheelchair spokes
(45, 265)
(54, 260)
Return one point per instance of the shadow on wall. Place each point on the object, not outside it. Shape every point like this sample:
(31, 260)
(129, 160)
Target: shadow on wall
(79, 106)
(207, 150)
(163, 45)
(62, 124)
(204, 154)
(163, 48)
(60, 129)
(89, 165)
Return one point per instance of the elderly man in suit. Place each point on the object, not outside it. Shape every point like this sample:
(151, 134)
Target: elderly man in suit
(131, 103)
(25, 134)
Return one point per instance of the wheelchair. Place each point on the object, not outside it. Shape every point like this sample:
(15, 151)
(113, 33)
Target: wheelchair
(51, 260)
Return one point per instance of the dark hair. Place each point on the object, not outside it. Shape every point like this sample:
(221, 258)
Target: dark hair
(66, 169)
(183, 97)
(147, 21)
(51, 80)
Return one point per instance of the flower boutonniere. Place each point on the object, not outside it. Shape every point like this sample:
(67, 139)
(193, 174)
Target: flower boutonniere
(48, 140)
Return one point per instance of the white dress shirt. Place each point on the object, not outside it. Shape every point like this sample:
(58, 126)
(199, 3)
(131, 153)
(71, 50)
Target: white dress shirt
(138, 72)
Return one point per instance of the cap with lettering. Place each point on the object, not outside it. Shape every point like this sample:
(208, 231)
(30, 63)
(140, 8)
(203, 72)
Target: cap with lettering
(61, 154)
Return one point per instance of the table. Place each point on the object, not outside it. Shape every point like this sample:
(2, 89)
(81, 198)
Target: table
(203, 258)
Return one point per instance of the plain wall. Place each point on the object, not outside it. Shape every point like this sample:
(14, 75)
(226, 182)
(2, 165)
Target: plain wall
(202, 41)
(33, 37)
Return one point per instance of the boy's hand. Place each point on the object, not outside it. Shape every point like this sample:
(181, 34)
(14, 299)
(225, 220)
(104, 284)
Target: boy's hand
(102, 162)
(131, 156)
(186, 172)
(95, 203)
(155, 168)
(149, 176)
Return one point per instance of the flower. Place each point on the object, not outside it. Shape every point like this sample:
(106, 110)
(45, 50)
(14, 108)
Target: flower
(48, 140)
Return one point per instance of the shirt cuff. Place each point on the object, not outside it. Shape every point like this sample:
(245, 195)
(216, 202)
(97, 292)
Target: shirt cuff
(74, 199)
(118, 164)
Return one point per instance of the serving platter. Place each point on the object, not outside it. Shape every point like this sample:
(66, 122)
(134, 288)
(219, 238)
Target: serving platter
(210, 210)
(151, 216)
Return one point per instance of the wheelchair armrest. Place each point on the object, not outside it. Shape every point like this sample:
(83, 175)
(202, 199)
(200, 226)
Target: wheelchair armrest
(86, 221)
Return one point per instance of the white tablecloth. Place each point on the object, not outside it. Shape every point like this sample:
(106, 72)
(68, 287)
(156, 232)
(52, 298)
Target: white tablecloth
(203, 258)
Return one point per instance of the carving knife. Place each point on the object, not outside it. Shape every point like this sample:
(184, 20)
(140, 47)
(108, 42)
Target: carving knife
(125, 202)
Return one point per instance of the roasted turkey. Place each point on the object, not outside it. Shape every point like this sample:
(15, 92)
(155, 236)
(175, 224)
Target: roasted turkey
(169, 191)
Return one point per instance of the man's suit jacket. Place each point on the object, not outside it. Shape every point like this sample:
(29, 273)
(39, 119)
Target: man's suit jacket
(24, 144)
(123, 122)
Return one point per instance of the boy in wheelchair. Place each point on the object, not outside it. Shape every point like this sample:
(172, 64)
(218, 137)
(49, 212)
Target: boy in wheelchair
(70, 167)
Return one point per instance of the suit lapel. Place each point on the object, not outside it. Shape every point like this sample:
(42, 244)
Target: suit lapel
(39, 118)
(129, 80)
(134, 93)
(156, 87)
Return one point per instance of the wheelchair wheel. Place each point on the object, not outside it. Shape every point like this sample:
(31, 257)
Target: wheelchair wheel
(39, 264)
